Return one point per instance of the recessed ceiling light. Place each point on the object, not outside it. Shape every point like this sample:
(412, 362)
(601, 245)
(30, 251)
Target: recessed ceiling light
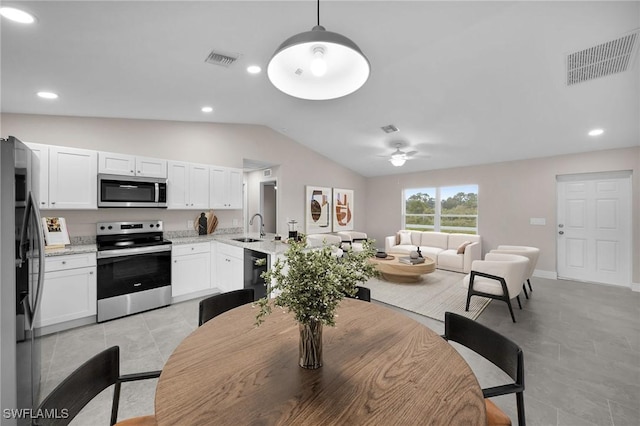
(48, 95)
(596, 132)
(17, 15)
(254, 69)
(207, 109)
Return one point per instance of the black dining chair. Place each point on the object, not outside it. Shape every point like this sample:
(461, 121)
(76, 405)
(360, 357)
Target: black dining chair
(220, 303)
(362, 293)
(501, 351)
(85, 383)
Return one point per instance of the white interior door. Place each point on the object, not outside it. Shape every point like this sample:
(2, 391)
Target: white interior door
(594, 227)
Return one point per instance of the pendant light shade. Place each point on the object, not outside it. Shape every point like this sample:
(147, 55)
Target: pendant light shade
(318, 65)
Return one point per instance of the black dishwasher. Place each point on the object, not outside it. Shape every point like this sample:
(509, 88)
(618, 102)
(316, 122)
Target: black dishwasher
(252, 272)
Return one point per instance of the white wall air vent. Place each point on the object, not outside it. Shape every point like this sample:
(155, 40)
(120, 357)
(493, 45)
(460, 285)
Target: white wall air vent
(608, 58)
(266, 173)
(224, 59)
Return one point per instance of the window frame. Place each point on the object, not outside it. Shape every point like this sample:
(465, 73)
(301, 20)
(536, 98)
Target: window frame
(437, 215)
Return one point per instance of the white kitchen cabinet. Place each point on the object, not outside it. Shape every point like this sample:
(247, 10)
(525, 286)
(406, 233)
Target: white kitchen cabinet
(131, 165)
(190, 269)
(229, 268)
(72, 178)
(41, 152)
(226, 188)
(187, 186)
(69, 289)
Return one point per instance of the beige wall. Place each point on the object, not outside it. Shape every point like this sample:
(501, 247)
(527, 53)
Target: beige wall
(509, 194)
(209, 143)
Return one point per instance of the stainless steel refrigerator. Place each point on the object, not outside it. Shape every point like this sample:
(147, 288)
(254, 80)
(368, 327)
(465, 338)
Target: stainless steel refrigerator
(22, 274)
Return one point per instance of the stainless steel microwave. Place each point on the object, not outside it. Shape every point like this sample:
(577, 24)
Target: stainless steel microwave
(131, 191)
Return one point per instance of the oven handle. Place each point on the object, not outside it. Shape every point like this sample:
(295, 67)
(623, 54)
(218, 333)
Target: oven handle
(138, 250)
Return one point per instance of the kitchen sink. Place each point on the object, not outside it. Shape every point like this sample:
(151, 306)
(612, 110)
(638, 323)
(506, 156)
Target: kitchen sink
(246, 240)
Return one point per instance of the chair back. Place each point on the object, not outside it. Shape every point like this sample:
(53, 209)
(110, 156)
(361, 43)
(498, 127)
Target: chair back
(532, 253)
(362, 293)
(220, 303)
(85, 383)
(500, 350)
(513, 268)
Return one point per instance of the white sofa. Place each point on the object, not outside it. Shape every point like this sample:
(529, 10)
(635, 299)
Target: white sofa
(453, 252)
(316, 241)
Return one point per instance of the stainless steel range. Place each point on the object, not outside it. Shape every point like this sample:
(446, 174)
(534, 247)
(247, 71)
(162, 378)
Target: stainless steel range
(134, 268)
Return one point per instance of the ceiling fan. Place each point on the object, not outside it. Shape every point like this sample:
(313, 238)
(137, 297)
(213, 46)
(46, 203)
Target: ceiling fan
(398, 157)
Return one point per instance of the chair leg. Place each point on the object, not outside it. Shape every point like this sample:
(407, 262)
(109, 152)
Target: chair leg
(116, 402)
(520, 407)
(510, 309)
(524, 287)
(468, 300)
(519, 304)
(529, 282)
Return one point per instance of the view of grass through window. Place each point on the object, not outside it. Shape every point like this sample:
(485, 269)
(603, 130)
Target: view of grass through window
(445, 209)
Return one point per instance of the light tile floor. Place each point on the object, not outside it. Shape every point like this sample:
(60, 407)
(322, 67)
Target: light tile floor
(581, 343)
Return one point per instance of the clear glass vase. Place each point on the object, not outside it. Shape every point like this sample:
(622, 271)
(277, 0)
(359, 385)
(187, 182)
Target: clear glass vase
(310, 347)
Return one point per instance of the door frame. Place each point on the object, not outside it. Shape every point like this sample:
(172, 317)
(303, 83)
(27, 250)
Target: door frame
(591, 176)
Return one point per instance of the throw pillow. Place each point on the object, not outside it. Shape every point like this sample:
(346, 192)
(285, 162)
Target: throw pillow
(405, 238)
(463, 246)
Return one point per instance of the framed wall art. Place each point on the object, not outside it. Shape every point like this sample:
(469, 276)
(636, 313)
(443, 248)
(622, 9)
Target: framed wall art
(342, 209)
(317, 210)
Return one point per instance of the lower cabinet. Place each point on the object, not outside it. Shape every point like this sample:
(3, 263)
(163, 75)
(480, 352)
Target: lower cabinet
(190, 269)
(69, 289)
(229, 268)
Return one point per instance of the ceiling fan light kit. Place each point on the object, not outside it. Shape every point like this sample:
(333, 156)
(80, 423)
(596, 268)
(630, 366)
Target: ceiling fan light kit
(397, 161)
(318, 65)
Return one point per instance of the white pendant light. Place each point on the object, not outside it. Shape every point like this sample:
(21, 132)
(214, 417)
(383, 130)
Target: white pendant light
(318, 65)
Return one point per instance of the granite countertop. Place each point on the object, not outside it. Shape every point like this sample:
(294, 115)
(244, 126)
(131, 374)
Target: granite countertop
(267, 244)
(72, 249)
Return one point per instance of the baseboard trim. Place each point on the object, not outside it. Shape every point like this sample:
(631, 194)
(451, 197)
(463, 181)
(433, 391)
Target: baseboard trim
(552, 275)
(62, 326)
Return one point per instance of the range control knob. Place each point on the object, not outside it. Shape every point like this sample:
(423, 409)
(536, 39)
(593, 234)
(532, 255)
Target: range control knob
(102, 228)
(109, 227)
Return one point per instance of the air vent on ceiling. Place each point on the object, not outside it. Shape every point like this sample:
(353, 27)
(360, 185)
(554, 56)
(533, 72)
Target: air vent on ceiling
(225, 59)
(389, 129)
(604, 59)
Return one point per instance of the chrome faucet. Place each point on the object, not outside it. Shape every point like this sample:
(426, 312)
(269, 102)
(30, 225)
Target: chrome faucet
(262, 234)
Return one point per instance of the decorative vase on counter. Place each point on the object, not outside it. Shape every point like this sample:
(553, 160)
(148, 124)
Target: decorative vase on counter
(310, 347)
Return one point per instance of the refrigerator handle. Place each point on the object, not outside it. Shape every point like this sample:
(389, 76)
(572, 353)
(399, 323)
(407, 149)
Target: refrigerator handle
(40, 236)
(22, 251)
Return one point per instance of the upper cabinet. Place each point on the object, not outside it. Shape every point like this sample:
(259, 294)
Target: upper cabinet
(226, 188)
(187, 185)
(68, 177)
(130, 165)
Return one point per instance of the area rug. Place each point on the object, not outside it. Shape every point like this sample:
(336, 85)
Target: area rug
(435, 294)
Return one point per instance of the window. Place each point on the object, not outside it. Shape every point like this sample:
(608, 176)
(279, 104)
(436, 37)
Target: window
(445, 209)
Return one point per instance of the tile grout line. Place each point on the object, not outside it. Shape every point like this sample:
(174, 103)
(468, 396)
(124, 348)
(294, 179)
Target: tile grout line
(610, 412)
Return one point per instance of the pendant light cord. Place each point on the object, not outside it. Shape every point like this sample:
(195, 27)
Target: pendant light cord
(318, 13)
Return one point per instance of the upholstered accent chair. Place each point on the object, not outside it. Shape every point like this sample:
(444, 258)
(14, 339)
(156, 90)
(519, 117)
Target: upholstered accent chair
(532, 253)
(499, 276)
(352, 240)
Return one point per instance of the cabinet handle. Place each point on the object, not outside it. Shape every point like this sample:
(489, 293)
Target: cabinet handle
(53, 202)
(131, 171)
(175, 261)
(64, 262)
(42, 202)
(90, 272)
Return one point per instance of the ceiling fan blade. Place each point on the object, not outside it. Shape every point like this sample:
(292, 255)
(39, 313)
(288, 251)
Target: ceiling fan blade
(410, 153)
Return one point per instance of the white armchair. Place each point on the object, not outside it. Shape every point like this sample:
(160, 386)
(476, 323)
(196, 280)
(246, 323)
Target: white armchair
(352, 239)
(499, 276)
(321, 240)
(532, 253)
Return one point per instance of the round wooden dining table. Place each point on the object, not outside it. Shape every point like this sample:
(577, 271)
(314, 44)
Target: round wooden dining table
(379, 368)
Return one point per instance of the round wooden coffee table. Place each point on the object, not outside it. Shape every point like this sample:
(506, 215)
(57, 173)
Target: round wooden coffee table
(396, 271)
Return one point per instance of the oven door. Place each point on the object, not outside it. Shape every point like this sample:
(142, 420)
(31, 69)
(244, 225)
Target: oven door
(126, 271)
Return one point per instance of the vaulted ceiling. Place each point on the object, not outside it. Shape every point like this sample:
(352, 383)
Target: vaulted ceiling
(465, 82)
